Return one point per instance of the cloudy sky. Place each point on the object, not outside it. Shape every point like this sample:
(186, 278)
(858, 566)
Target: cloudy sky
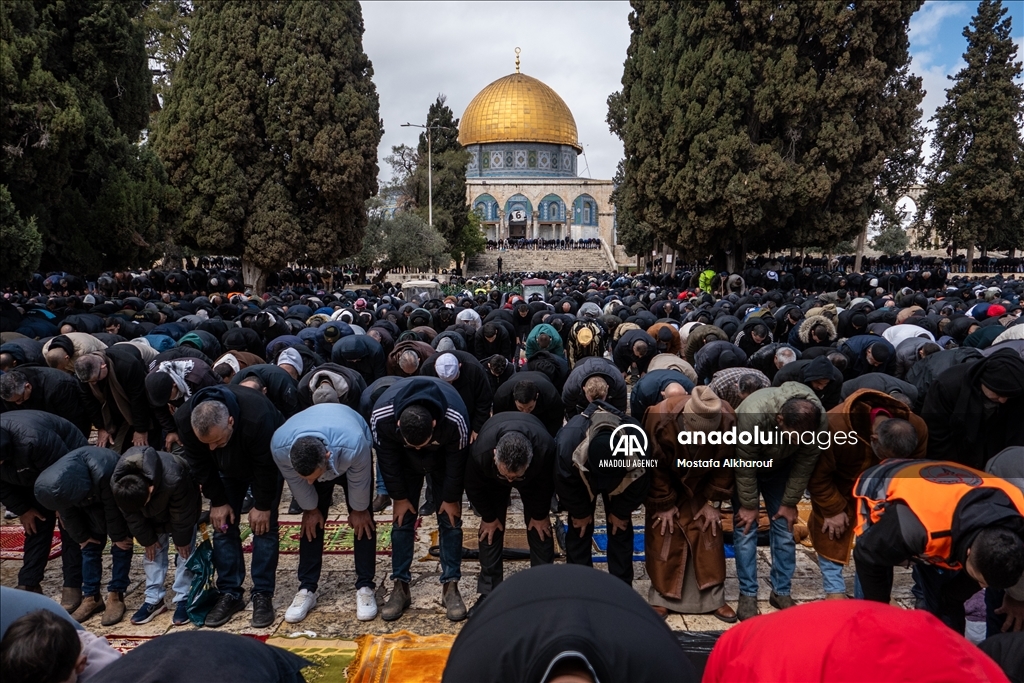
(421, 49)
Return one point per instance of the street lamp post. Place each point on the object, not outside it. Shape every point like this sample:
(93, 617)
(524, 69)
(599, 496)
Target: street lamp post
(430, 168)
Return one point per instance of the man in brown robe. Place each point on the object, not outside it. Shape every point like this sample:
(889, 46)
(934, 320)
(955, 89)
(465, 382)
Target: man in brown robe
(683, 538)
(831, 524)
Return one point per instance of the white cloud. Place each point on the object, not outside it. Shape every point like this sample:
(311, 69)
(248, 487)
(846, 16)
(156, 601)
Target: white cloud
(420, 49)
(926, 24)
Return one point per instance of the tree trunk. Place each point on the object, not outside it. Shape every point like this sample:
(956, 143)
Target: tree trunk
(254, 277)
(970, 257)
(379, 278)
(862, 239)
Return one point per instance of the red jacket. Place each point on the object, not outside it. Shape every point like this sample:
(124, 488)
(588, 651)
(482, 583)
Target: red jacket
(846, 641)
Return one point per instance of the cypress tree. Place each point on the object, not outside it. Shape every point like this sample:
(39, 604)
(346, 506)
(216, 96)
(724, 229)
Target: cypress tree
(974, 190)
(750, 125)
(76, 96)
(270, 133)
(448, 161)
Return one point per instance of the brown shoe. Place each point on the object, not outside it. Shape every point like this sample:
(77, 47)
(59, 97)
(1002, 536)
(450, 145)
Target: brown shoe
(91, 604)
(836, 596)
(726, 614)
(455, 608)
(747, 607)
(70, 598)
(114, 610)
(780, 601)
(397, 603)
(660, 611)
(31, 589)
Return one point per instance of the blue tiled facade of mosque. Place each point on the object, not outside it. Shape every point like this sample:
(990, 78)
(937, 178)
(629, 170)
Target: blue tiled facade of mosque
(521, 160)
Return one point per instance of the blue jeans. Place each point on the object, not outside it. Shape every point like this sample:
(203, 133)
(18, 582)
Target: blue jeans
(403, 534)
(831, 576)
(381, 489)
(92, 568)
(228, 558)
(772, 486)
(156, 572)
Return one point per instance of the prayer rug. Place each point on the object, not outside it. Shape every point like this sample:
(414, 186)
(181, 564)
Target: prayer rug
(339, 538)
(12, 543)
(400, 657)
(516, 545)
(330, 656)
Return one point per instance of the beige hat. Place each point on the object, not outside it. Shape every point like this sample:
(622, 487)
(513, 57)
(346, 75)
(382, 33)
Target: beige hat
(703, 412)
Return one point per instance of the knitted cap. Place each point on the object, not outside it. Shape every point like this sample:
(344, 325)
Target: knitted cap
(703, 411)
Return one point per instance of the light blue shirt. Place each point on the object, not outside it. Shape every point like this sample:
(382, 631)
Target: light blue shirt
(348, 441)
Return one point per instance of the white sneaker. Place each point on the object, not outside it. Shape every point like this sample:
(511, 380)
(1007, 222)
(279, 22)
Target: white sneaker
(303, 602)
(366, 604)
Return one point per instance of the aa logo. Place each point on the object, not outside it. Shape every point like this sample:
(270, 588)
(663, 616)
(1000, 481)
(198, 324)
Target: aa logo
(629, 441)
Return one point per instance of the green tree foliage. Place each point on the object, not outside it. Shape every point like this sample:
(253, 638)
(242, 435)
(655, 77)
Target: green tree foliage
(974, 189)
(76, 95)
(891, 240)
(168, 26)
(750, 124)
(22, 243)
(270, 133)
(470, 242)
(398, 240)
(448, 161)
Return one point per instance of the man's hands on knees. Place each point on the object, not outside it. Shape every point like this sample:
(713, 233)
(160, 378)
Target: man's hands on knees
(487, 530)
(361, 522)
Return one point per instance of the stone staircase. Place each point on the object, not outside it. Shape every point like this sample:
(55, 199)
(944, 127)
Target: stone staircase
(525, 260)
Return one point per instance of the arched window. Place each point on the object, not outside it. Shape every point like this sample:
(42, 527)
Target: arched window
(552, 208)
(585, 210)
(486, 207)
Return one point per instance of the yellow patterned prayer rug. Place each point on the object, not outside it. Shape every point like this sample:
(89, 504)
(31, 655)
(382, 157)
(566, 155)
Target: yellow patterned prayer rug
(400, 657)
(330, 657)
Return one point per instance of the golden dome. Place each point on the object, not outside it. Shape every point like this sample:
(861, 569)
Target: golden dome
(518, 108)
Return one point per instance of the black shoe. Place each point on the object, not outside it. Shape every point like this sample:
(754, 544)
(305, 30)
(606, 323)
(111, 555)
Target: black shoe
(380, 502)
(262, 610)
(476, 606)
(428, 508)
(226, 607)
(247, 503)
(294, 508)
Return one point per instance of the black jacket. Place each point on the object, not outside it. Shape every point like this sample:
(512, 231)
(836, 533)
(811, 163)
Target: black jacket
(246, 456)
(447, 448)
(549, 403)
(125, 363)
(806, 371)
(176, 502)
(31, 441)
(55, 391)
(536, 616)
(647, 390)
(623, 352)
(488, 491)
(471, 384)
(502, 344)
(219, 656)
(198, 377)
(363, 354)
(78, 486)
(962, 426)
(573, 398)
(281, 389)
(356, 385)
(899, 536)
(572, 492)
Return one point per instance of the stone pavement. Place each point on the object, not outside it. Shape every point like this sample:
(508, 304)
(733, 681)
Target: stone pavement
(334, 615)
